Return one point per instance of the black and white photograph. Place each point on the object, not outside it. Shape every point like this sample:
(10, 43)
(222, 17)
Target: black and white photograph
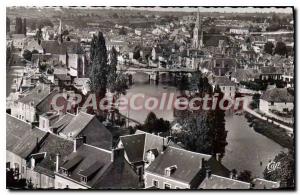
(150, 98)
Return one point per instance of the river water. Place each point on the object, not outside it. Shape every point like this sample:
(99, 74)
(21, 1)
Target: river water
(246, 148)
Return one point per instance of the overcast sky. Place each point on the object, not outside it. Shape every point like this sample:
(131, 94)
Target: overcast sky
(215, 9)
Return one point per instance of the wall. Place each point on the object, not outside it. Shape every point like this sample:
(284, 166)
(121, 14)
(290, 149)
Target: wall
(149, 177)
(61, 183)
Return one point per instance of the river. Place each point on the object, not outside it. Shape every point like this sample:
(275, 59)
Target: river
(246, 148)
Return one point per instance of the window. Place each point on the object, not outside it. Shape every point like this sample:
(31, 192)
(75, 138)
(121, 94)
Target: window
(23, 170)
(167, 186)
(155, 183)
(84, 179)
(272, 103)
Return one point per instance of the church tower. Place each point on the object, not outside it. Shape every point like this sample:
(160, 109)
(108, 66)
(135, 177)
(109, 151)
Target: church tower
(198, 33)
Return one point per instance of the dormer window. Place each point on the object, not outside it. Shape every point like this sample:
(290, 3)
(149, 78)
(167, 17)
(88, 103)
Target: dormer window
(170, 170)
(83, 179)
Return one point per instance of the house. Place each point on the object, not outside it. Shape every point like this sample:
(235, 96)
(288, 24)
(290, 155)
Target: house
(220, 65)
(82, 84)
(33, 45)
(176, 168)
(37, 101)
(226, 85)
(239, 31)
(21, 140)
(89, 167)
(239, 75)
(271, 73)
(83, 125)
(45, 161)
(277, 99)
(213, 181)
(140, 147)
(69, 53)
(19, 41)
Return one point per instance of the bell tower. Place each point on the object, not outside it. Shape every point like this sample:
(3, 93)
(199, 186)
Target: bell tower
(198, 33)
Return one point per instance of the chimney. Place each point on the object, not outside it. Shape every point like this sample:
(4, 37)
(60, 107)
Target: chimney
(32, 163)
(218, 157)
(79, 142)
(57, 163)
(208, 173)
(231, 175)
(117, 155)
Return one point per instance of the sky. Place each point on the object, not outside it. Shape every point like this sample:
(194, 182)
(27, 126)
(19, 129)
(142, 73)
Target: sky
(215, 9)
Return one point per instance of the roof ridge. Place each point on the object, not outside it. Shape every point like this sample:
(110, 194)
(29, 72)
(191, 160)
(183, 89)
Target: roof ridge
(190, 151)
(102, 149)
(231, 179)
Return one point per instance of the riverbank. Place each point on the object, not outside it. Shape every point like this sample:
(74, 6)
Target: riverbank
(272, 131)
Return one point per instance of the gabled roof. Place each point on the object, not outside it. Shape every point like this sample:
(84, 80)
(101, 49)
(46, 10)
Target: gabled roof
(188, 164)
(36, 95)
(219, 182)
(278, 95)
(134, 147)
(15, 131)
(62, 122)
(137, 145)
(52, 146)
(77, 124)
(271, 70)
(29, 143)
(88, 155)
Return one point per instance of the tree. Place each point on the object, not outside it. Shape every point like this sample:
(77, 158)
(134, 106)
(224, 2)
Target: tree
(150, 122)
(216, 124)
(204, 130)
(7, 25)
(27, 55)
(122, 31)
(268, 48)
(18, 27)
(99, 66)
(245, 176)
(117, 82)
(183, 83)
(280, 49)
(196, 136)
(282, 169)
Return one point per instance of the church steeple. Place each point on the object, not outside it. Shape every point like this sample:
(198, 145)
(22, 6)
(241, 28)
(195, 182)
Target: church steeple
(198, 33)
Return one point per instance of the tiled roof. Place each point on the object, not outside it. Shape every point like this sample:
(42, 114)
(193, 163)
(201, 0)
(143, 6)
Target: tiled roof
(62, 122)
(53, 145)
(271, 70)
(36, 95)
(134, 147)
(29, 143)
(141, 142)
(278, 95)
(77, 124)
(15, 131)
(89, 155)
(219, 182)
(188, 164)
